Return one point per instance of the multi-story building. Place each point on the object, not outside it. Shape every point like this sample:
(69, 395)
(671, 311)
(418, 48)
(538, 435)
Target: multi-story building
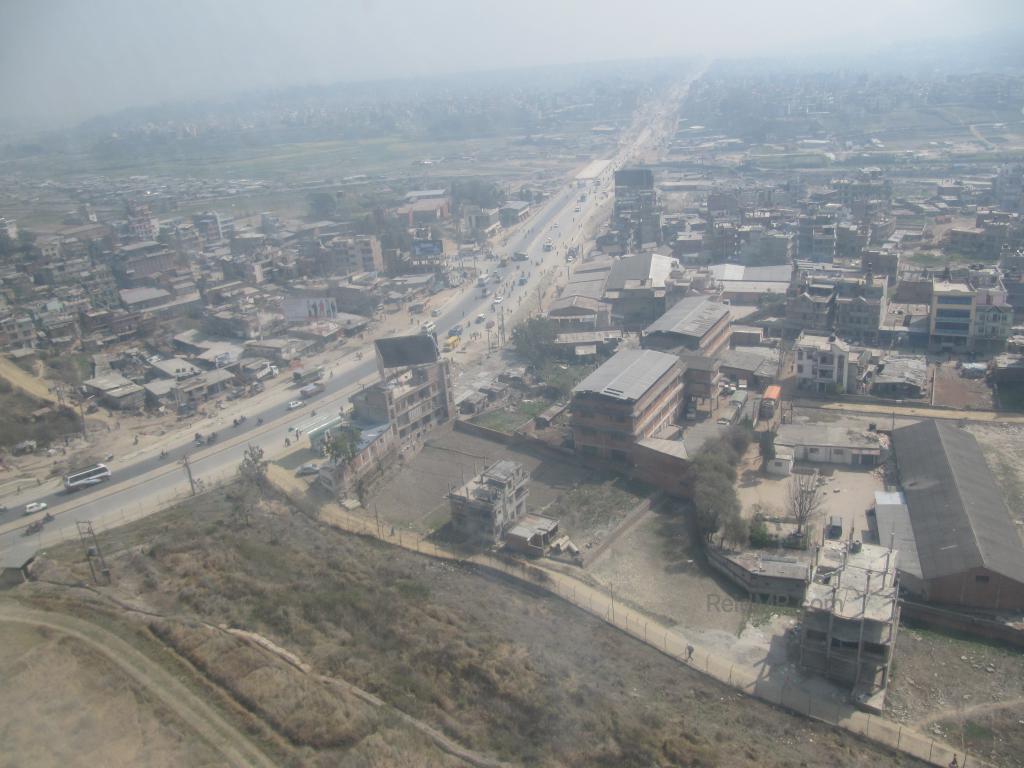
(850, 618)
(809, 308)
(637, 214)
(638, 289)
(952, 316)
(17, 331)
(485, 507)
(859, 307)
(816, 236)
(1008, 188)
(211, 227)
(414, 394)
(635, 395)
(776, 248)
(348, 255)
(694, 324)
(821, 363)
(142, 225)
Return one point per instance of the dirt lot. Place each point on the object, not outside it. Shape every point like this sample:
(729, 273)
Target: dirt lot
(967, 692)
(846, 493)
(415, 496)
(77, 708)
(500, 668)
(954, 390)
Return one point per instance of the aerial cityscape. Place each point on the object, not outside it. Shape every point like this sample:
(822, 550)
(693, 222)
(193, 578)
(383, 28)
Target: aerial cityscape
(447, 398)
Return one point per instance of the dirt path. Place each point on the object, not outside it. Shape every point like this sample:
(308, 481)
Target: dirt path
(196, 713)
(964, 712)
(26, 382)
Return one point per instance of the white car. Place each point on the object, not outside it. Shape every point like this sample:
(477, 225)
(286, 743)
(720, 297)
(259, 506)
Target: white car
(497, 300)
(295, 404)
(35, 506)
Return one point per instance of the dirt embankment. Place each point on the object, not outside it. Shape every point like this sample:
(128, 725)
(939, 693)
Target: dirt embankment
(26, 382)
(500, 669)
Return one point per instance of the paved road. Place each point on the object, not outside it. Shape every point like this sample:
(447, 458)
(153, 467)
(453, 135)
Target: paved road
(150, 482)
(151, 479)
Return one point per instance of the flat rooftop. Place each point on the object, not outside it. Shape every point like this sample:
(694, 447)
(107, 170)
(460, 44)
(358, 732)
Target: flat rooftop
(854, 584)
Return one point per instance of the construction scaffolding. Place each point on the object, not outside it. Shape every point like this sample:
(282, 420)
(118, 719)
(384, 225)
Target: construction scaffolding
(851, 617)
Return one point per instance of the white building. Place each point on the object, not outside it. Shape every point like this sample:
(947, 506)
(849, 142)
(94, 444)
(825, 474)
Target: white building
(821, 363)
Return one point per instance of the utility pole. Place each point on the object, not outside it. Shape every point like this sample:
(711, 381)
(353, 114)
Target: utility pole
(188, 471)
(81, 412)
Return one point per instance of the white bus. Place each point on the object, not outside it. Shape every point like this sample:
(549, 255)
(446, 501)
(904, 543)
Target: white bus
(86, 478)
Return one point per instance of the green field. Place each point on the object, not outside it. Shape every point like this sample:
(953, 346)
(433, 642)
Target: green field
(314, 159)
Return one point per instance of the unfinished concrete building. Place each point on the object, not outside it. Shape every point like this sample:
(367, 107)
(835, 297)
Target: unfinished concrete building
(486, 506)
(850, 618)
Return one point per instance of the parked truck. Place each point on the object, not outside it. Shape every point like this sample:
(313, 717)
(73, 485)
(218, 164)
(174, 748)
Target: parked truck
(770, 401)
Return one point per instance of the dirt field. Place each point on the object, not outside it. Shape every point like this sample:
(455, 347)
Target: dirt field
(501, 669)
(954, 390)
(416, 494)
(77, 708)
(967, 692)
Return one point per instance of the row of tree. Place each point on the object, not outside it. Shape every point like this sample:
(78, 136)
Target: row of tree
(713, 476)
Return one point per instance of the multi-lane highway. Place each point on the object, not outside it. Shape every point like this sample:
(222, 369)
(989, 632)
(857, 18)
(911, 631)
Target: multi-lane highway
(145, 484)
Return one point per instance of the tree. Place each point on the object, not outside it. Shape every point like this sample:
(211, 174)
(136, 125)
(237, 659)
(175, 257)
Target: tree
(736, 531)
(344, 445)
(322, 205)
(804, 499)
(252, 473)
(253, 469)
(534, 340)
(715, 500)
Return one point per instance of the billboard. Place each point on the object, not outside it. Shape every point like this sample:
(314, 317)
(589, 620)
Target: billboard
(427, 248)
(304, 309)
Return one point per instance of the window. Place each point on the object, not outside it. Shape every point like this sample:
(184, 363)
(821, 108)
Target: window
(981, 578)
(812, 450)
(799, 369)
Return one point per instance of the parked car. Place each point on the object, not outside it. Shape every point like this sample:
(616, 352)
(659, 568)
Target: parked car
(435, 312)
(295, 404)
(307, 469)
(35, 506)
(481, 318)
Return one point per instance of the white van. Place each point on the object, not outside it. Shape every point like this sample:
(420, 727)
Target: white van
(428, 327)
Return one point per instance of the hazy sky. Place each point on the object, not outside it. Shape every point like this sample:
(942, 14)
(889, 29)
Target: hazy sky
(67, 59)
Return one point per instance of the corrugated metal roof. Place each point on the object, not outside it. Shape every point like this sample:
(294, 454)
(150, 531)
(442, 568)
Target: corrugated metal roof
(692, 316)
(959, 516)
(628, 374)
(893, 517)
(647, 270)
